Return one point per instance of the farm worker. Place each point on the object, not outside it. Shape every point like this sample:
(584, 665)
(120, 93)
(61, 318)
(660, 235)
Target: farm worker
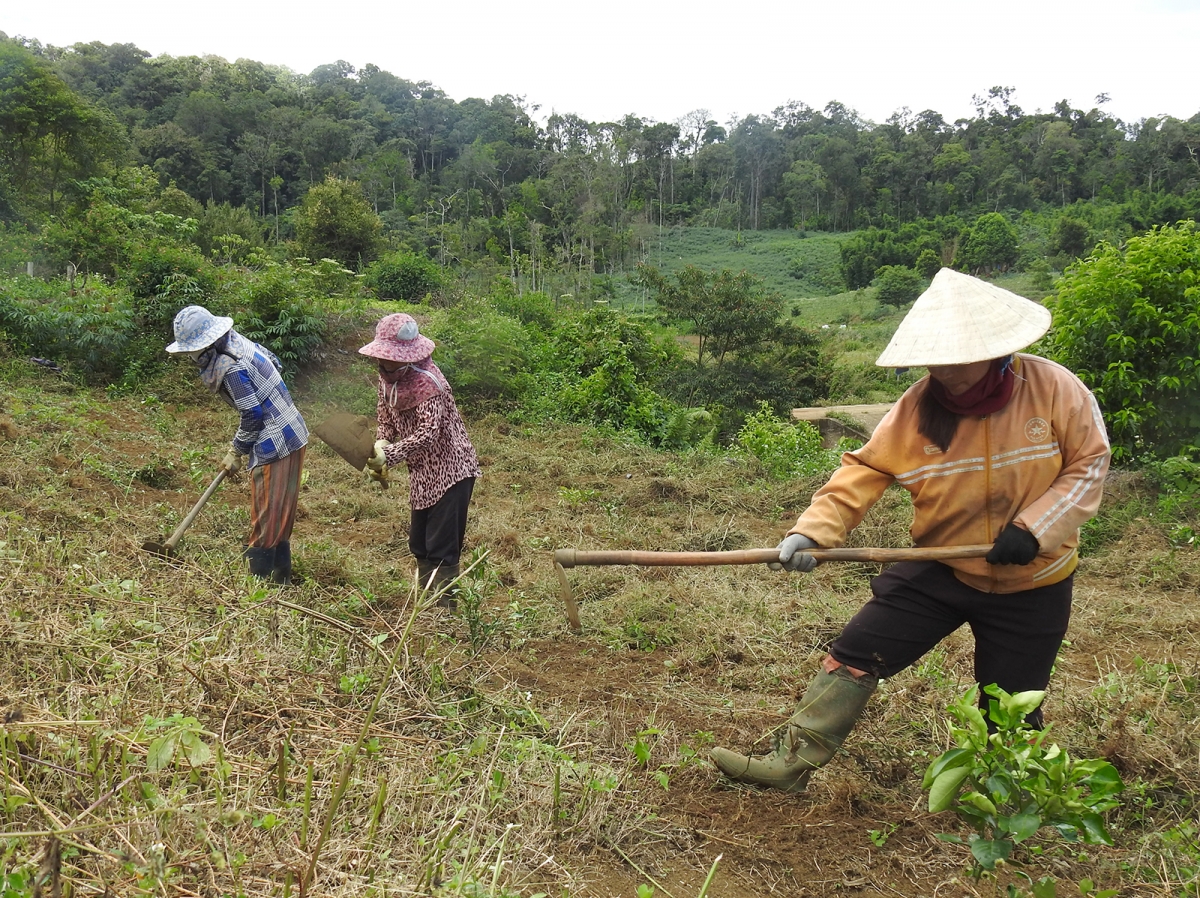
(271, 435)
(994, 446)
(419, 424)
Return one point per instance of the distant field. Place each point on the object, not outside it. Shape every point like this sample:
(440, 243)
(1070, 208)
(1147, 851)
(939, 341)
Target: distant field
(795, 265)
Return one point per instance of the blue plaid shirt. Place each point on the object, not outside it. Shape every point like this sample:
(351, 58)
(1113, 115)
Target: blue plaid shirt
(271, 427)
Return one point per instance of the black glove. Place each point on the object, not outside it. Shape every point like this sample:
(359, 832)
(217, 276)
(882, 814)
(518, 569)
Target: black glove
(1013, 546)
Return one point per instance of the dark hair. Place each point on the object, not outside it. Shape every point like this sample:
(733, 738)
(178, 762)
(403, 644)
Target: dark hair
(935, 422)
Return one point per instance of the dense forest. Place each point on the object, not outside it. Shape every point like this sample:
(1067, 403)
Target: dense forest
(131, 185)
(485, 183)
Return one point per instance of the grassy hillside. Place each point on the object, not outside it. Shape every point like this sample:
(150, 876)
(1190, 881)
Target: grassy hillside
(794, 263)
(178, 729)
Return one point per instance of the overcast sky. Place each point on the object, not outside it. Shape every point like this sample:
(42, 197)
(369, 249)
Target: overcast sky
(660, 60)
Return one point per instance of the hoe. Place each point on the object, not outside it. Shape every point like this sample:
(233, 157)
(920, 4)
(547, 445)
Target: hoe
(167, 549)
(565, 558)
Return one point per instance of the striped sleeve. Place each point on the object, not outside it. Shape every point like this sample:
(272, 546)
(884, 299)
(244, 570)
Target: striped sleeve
(1074, 496)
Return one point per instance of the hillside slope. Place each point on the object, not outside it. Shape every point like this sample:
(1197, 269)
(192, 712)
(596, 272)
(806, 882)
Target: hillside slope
(187, 731)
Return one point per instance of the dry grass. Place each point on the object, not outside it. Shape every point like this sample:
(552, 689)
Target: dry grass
(506, 756)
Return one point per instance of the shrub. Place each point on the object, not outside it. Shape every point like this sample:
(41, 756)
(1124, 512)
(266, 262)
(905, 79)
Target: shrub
(1127, 321)
(281, 309)
(928, 263)
(1009, 784)
(600, 369)
(403, 276)
(335, 221)
(784, 449)
(481, 351)
(896, 285)
(90, 328)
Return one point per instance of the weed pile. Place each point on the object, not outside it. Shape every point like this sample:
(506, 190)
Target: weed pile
(177, 728)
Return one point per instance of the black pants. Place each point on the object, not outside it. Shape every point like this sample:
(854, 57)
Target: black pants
(436, 534)
(917, 604)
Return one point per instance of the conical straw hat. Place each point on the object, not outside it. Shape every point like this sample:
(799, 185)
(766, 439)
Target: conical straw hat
(961, 319)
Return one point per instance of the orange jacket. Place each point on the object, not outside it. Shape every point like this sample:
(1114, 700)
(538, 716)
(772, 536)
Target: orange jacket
(1040, 460)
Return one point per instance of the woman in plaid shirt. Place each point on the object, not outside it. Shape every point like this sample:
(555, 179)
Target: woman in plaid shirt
(271, 434)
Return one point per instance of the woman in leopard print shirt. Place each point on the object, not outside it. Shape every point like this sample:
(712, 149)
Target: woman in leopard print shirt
(419, 424)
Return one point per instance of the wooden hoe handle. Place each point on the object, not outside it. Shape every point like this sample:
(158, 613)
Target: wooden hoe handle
(569, 558)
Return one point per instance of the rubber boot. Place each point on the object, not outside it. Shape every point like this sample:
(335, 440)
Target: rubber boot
(281, 572)
(425, 569)
(262, 561)
(444, 586)
(826, 714)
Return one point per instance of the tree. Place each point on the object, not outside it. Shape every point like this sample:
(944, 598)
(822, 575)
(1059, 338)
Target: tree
(991, 244)
(48, 135)
(335, 221)
(1070, 236)
(1127, 321)
(897, 285)
(729, 312)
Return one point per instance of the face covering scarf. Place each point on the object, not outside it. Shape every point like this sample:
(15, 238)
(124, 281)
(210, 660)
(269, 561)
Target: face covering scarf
(215, 362)
(989, 395)
(411, 385)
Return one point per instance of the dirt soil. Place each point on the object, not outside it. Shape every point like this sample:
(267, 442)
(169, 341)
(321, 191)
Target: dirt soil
(656, 648)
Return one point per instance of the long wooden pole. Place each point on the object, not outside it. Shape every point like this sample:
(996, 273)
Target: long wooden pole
(569, 558)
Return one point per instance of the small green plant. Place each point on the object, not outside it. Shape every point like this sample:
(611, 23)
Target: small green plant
(879, 837)
(354, 684)
(180, 739)
(785, 450)
(1009, 784)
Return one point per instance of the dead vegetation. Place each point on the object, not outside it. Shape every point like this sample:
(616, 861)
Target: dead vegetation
(177, 729)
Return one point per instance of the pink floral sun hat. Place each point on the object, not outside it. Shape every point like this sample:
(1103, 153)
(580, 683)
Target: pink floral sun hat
(398, 340)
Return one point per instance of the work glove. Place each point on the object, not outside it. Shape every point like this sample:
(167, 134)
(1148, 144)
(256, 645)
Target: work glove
(377, 462)
(1013, 546)
(232, 463)
(376, 468)
(792, 556)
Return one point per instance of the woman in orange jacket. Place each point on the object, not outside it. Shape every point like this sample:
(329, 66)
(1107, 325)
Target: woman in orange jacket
(994, 446)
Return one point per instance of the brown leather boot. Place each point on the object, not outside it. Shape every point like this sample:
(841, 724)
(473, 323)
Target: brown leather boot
(831, 705)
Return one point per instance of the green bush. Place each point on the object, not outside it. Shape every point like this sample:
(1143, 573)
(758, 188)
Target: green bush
(1127, 321)
(89, 328)
(784, 449)
(601, 368)
(1009, 784)
(1178, 483)
(281, 308)
(403, 276)
(990, 245)
(897, 285)
(17, 248)
(335, 221)
(481, 351)
(928, 263)
(536, 309)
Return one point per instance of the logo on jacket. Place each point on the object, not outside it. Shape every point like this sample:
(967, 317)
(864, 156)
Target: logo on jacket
(1037, 430)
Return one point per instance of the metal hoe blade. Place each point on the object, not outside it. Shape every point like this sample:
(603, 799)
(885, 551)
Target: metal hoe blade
(167, 549)
(350, 436)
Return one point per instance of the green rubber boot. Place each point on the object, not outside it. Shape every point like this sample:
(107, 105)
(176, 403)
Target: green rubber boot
(823, 719)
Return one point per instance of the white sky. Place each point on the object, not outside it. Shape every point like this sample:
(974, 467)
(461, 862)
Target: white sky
(660, 60)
